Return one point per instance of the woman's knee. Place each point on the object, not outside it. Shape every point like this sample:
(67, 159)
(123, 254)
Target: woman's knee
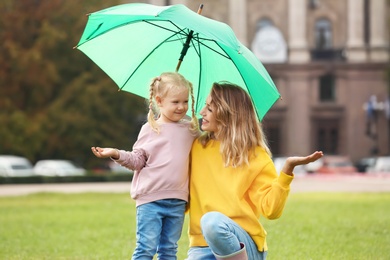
(211, 222)
(210, 218)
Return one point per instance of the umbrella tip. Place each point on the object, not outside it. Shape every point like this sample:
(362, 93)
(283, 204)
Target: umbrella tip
(200, 9)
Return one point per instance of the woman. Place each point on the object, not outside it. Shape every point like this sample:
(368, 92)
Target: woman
(233, 180)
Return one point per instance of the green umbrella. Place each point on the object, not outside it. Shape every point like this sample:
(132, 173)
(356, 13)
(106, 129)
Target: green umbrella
(133, 43)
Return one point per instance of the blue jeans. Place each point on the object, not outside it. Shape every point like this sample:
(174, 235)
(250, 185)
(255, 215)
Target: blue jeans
(159, 227)
(223, 236)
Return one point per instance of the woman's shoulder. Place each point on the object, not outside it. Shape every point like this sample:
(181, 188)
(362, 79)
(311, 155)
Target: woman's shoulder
(262, 155)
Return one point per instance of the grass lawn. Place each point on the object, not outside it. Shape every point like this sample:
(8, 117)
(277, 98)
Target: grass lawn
(102, 226)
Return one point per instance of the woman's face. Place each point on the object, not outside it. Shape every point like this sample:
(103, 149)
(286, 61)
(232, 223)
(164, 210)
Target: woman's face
(209, 123)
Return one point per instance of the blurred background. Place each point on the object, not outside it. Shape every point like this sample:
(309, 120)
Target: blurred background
(328, 58)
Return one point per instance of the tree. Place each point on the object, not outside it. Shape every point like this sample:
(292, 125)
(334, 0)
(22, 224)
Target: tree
(54, 101)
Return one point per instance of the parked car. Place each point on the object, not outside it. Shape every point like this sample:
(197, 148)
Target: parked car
(336, 164)
(314, 166)
(117, 168)
(365, 163)
(381, 165)
(15, 166)
(57, 168)
(279, 162)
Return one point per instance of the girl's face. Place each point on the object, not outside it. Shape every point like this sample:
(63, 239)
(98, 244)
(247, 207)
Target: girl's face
(174, 106)
(209, 122)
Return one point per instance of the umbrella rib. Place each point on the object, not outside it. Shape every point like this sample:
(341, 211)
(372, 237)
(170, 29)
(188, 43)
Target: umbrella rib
(200, 40)
(91, 36)
(146, 57)
(198, 51)
(180, 31)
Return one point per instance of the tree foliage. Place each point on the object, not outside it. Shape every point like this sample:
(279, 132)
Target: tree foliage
(54, 101)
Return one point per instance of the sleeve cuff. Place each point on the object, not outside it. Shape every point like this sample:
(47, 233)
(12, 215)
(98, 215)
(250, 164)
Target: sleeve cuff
(285, 179)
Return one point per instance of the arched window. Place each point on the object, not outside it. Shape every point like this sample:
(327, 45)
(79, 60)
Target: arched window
(264, 22)
(268, 43)
(323, 34)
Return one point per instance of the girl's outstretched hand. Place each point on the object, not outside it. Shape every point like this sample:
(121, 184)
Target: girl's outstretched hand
(293, 161)
(105, 152)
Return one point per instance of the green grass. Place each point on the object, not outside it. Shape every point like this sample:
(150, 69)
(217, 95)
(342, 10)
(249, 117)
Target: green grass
(102, 226)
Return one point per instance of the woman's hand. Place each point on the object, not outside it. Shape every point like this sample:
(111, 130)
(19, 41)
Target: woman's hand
(105, 152)
(293, 161)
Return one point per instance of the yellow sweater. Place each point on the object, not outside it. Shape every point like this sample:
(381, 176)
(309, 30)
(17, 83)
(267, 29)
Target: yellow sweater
(243, 194)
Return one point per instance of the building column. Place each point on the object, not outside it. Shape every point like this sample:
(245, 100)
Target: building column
(298, 48)
(238, 19)
(379, 48)
(298, 115)
(356, 51)
(158, 2)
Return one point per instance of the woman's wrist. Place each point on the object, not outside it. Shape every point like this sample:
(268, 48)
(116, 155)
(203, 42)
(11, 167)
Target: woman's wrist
(288, 168)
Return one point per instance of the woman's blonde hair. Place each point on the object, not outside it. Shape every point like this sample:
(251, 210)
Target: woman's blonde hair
(238, 128)
(161, 86)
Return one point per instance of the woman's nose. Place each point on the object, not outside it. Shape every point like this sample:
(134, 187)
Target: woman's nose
(202, 111)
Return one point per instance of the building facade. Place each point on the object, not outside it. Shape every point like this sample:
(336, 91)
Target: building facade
(329, 59)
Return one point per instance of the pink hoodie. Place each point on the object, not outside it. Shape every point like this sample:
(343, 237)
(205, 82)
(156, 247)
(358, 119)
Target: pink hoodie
(160, 162)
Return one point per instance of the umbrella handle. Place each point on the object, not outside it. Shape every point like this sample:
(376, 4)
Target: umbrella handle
(186, 45)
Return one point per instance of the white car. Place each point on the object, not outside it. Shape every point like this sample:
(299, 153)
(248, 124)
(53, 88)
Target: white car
(279, 162)
(57, 168)
(381, 165)
(15, 166)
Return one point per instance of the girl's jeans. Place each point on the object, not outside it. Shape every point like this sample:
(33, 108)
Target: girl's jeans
(159, 226)
(223, 236)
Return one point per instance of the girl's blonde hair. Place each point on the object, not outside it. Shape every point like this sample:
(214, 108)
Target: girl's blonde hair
(238, 128)
(161, 86)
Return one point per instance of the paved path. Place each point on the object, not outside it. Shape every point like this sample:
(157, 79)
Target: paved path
(341, 183)
(310, 183)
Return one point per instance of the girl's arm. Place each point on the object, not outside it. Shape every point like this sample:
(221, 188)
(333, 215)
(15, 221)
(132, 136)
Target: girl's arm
(134, 160)
(105, 152)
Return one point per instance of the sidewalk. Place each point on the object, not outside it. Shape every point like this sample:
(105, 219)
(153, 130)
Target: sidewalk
(24, 189)
(309, 183)
(341, 183)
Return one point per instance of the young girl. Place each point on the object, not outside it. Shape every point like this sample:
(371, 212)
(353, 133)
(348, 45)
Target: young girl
(160, 160)
(233, 180)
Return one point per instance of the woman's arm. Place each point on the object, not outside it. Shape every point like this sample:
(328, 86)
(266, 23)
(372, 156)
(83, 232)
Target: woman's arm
(293, 161)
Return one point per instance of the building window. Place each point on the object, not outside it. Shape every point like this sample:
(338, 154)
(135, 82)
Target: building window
(327, 137)
(327, 88)
(323, 34)
(273, 133)
(367, 22)
(313, 4)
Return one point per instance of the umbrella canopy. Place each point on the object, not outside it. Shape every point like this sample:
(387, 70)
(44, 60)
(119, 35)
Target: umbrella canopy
(133, 43)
